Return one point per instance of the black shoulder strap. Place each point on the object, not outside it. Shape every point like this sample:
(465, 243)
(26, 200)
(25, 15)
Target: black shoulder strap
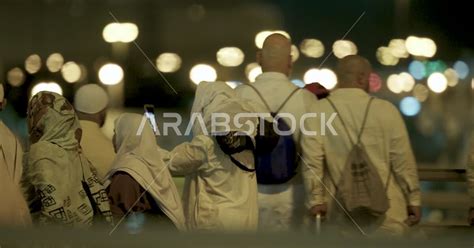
(265, 102)
(240, 165)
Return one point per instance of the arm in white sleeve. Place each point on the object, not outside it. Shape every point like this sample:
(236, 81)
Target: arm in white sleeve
(403, 161)
(189, 157)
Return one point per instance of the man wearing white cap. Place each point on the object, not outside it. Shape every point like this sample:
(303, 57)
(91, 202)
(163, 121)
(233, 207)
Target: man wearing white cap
(13, 210)
(91, 103)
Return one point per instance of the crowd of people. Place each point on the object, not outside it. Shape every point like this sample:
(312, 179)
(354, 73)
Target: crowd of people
(362, 180)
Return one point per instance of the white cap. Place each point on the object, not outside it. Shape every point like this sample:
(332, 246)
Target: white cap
(91, 99)
(2, 93)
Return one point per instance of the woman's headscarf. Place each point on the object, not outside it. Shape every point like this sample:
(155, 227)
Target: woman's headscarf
(61, 176)
(139, 156)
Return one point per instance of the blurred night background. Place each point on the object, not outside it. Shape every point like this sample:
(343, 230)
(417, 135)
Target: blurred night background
(422, 54)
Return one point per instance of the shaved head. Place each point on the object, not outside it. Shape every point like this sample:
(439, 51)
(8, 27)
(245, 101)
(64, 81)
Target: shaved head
(275, 55)
(353, 71)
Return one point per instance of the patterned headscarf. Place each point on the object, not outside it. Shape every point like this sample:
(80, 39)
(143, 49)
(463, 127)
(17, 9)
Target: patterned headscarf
(57, 173)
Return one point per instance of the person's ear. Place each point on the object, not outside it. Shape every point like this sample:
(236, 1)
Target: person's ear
(259, 57)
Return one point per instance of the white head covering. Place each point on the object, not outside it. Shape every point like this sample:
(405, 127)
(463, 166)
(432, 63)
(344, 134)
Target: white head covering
(137, 156)
(91, 99)
(2, 93)
(218, 97)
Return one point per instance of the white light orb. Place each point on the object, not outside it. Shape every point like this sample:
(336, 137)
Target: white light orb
(437, 82)
(343, 48)
(202, 72)
(33, 63)
(111, 74)
(325, 77)
(120, 32)
(46, 86)
(424, 47)
(230, 56)
(395, 83)
(397, 48)
(168, 62)
(15, 77)
(408, 81)
(385, 56)
(312, 48)
(54, 62)
(71, 72)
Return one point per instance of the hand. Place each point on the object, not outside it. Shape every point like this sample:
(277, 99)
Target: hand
(414, 215)
(320, 209)
(470, 217)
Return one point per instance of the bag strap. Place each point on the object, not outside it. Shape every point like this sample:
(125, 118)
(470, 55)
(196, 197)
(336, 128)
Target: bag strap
(265, 102)
(364, 121)
(390, 172)
(240, 165)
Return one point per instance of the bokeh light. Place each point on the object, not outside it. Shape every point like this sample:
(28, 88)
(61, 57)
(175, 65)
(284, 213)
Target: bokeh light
(120, 32)
(233, 84)
(312, 48)
(375, 82)
(398, 49)
(435, 66)
(252, 71)
(295, 53)
(325, 77)
(15, 77)
(46, 86)
(33, 63)
(421, 92)
(437, 82)
(343, 48)
(424, 47)
(230, 56)
(417, 69)
(385, 57)
(298, 82)
(395, 83)
(452, 77)
(261, 36)
(408, 81)
(410, 106)
(111, 74)
(202, 72)
(54, 62)
(461, 68)
(168, 62)
(71, 72)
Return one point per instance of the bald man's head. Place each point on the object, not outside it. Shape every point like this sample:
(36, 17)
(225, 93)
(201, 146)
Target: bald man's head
(275, 55)
(353, 71)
